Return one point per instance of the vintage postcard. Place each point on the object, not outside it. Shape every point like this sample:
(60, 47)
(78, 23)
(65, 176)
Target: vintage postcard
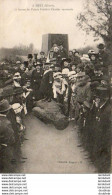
(55, 86)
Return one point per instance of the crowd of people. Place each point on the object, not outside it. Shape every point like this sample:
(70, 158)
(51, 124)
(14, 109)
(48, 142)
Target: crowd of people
(79, 84)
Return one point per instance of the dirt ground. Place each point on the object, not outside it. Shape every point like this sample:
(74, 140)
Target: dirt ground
(49, 150)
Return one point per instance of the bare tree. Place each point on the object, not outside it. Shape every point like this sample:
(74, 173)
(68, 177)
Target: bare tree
(97, 17)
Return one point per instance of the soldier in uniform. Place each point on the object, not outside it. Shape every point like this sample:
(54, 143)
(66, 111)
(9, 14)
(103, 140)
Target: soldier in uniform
(30, 60)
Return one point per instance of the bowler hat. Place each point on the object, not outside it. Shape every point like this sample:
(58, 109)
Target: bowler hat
(4, 106)
(30, 56)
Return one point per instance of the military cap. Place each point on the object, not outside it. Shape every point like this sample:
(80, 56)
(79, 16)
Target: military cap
(4, 106)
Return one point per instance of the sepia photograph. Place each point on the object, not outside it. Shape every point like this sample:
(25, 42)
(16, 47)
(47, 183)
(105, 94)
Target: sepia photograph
(55, 86)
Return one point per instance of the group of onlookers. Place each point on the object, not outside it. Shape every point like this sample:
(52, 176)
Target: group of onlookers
(79, 84)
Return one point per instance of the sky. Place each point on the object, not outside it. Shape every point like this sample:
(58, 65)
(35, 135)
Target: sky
(22, 22)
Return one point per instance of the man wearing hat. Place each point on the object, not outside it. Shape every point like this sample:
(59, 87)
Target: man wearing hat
(101, 112)
(35, 58)
(46, 83)
(36, 81)
(42, 58)
(30, 60)
(7, 138)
